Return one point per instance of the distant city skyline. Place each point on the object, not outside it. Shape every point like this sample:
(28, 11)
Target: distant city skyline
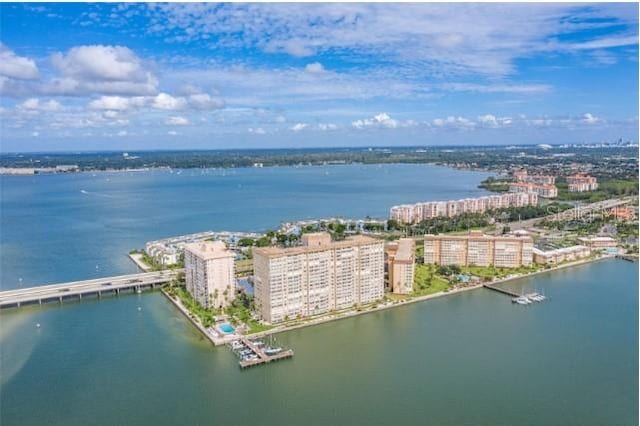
(86, 77)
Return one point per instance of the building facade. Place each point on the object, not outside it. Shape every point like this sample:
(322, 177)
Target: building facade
(598, 242)
(401, 265)
(210, 273)
(414, 213)
(317, 277)
(582, 183)
(560, 255)
(541, 190)
(523, 176)
(478, 249)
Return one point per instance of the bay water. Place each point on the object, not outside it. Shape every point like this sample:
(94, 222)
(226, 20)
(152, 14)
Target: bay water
(467, 359)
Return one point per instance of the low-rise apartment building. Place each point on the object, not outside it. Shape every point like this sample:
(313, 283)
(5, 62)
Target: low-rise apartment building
(317, 277)
(523, 176)
(401, 265)
(542, 190)
(478, 249)
(414, 213)
(551, 257)
(581, 183)
(210, 273)
(598, 242)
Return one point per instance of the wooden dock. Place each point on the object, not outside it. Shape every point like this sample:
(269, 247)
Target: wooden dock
(263, 358)
(501, 290)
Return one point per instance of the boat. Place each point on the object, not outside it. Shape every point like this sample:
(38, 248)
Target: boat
(272, 351)
(522, 300)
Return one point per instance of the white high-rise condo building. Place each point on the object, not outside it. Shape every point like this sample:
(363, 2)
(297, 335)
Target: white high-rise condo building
(317, 277)
(210, 273)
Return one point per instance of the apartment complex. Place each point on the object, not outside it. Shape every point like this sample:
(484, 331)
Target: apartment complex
(414, 213)
(541, 190)
(317, 277)
(560, 255)
(478, 249)
(523, 176)
(210, 273)
(401, 265)
(598, 242)
(582, 183)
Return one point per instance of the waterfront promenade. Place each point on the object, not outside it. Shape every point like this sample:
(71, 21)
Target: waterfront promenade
(79, 289)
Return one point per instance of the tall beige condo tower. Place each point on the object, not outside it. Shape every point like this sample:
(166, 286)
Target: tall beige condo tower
(317, 277)
(401, 265)
(210, 273)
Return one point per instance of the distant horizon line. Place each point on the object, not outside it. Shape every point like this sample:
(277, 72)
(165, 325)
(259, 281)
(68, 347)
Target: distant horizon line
(346, 148)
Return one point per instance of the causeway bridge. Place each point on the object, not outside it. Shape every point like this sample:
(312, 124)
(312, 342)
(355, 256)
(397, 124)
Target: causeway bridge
(79, 289)
(582, 211)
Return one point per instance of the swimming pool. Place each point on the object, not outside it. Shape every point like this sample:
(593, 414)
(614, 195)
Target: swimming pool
(226, 328)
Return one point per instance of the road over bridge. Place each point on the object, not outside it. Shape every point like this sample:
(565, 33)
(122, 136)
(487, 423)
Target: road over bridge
(79, 289)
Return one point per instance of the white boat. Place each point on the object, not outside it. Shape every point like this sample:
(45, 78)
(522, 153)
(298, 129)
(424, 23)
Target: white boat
(272, 351)
(521, 300)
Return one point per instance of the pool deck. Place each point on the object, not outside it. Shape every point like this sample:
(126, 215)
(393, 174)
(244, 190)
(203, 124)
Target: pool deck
(212, 336)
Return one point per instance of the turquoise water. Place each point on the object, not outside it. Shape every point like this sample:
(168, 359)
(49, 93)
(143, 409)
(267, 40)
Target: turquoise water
(467, 359)
(227, 328)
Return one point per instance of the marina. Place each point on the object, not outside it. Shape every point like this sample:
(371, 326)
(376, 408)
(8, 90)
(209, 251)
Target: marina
(252, 352)
(520, 299)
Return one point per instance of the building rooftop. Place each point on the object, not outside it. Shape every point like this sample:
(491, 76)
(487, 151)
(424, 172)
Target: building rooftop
(596, 239)
(208, 250)
(477, 235)
(356, 240)
(563, 250)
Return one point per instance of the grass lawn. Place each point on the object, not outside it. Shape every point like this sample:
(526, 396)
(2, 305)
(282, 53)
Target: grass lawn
(204, 315)
(427, 281)
(489, 272)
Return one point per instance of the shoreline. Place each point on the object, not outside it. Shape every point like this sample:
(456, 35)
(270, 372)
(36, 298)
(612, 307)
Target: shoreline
(215, 341)
(169, 168)
(350, 314)
(136, 258)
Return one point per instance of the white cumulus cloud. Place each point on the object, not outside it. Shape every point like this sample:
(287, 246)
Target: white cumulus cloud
(380, 120)
(175, 120)
(34, 104)
(168, 102)
(315, 68)
(18, 67)
(590, 118)
(117, 103)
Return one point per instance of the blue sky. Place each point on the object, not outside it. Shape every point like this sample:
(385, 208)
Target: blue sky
(172, 76)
